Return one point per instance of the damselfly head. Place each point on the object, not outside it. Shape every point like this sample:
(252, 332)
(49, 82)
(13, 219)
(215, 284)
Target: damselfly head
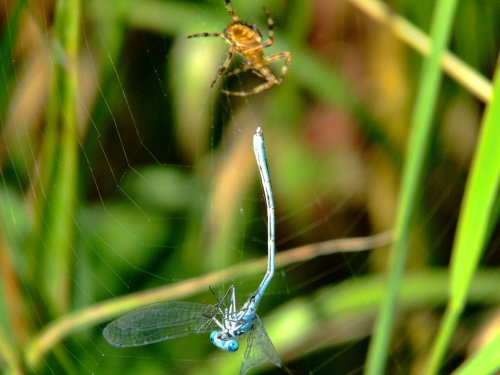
(224, 342)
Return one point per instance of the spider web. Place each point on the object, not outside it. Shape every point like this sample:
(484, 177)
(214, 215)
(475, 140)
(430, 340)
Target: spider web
(168, 187)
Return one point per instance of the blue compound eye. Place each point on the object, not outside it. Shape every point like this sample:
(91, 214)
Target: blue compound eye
(232, 346)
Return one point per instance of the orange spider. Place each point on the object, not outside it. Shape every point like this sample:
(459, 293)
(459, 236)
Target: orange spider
(246, 39)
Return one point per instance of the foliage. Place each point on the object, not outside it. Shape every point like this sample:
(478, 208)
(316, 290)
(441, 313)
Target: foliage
(126, 179)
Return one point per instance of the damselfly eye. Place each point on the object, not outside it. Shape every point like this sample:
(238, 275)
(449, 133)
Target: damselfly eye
(232, 345)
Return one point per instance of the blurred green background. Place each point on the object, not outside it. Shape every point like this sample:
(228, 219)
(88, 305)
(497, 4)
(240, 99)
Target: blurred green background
(122, 170)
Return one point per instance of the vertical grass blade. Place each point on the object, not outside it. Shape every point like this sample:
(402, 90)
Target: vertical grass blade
(60, 161)
(477, 215)
(485, 361)
(412, 173)
(6, 55)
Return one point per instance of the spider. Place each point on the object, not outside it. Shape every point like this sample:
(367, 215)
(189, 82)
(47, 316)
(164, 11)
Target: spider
(246, 40)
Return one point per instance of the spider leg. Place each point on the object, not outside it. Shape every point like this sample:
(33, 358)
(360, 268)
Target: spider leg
(222, 35)
(258, 73)
(231, 11)
(204, 35)
(242, 68)
(278, 56)
(266, 74)
(221, 71)
(270, 28)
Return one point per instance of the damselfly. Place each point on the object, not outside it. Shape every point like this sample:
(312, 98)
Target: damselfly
(169, 320)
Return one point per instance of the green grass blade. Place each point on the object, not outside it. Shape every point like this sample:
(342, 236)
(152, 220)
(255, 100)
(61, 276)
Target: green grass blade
(484, 362)
(479, 202)
(60, 158)
(8, 355)
(412, 174)
(7, 55)
(477, 216)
